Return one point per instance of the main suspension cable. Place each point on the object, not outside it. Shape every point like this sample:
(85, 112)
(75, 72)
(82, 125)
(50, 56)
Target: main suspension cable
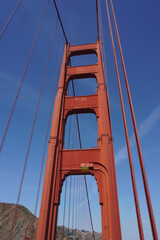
(9, 19)
(126, 133)
(144, 177)
(97, 11)
(103, 47)
(32, 130)
(24, 73)
(60, 21)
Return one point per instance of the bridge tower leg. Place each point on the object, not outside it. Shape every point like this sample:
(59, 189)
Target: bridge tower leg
(99, 160)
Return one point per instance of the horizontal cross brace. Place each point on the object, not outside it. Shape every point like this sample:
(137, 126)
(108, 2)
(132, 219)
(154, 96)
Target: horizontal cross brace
(88, 71)
(81, 104)
(82, 49)
(72, 159)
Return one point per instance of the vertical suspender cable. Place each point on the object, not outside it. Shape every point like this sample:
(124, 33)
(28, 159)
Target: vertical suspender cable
(69, 208)
(77, 205)
(77, 193)
(80, 220)
(49, 228)
(85, 181)
(73, 204)
(45, 144)
(69, 132)
(76, 141)
(9, 19)
(84, 175)
(144, 177)
(32, 130)
(64, 212)
(126, 133)
(79, 135)
(24, 73)
(103, 57)
(81, 200)
(76, 202)
(73, 132)
(52, 100)
(69, 202)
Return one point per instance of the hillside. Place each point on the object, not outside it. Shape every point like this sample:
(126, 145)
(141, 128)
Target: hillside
(25, 218)
(76, 234)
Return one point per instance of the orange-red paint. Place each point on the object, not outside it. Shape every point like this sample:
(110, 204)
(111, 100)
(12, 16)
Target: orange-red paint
(100, 160)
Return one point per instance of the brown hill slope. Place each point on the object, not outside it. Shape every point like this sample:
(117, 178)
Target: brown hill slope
(25, 218)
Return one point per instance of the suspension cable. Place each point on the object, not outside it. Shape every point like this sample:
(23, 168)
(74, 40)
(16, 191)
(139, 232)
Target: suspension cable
(78, 207)
(69, 132)
(34, 121)
(73, 132)
(79, 222)
(106, 79)
(80, 203)
(9, 19)
(79, 135)
(64, 205)
(126, 134)
(84, 175)
(48, 124)
(76, 141)
(49, 118)
(60, 21)
(73, 204)
(144, 177)
(103, 47)
(97, 11)
(85, 181)
(76, 202)
(24, 73)
(69, 208)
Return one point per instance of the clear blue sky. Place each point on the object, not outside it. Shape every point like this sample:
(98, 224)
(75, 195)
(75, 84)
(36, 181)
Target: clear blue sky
(138, 23)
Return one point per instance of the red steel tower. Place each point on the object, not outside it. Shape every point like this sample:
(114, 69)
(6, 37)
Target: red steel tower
(64, 162)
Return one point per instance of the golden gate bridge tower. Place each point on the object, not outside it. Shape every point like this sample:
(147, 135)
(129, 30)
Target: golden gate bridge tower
(97, 161)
